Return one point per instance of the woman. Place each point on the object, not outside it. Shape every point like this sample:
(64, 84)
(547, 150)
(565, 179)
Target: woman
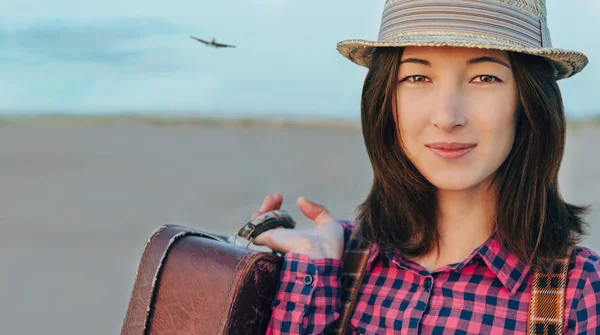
(464, 126)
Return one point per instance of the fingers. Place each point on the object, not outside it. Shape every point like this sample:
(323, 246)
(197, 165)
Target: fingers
(271, 202)
(314, 211)
(278, 200)
(267, 204)
(278, 239)
(310, 209)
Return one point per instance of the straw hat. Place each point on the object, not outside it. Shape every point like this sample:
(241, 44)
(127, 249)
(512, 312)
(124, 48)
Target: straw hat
(510, 25)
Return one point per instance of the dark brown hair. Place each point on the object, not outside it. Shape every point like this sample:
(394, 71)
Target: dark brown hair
(531, 216)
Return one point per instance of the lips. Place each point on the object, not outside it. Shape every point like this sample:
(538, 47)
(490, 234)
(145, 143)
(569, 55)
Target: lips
(451, 150)
(451, 146)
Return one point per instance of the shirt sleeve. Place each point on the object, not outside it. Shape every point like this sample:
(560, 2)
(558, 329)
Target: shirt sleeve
(588, 308)
(308, 297)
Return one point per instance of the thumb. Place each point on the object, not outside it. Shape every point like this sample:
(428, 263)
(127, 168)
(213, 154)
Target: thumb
(313, 211)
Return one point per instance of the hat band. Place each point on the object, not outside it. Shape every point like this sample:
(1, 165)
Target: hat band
(487, 17)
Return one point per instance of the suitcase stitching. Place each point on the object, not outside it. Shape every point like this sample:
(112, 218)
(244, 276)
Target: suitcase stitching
(140, 271)
(159, 272)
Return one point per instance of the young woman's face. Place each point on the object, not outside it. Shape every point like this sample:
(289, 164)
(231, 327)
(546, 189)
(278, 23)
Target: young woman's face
(456, 112)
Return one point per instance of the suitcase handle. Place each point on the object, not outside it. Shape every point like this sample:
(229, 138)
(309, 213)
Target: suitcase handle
(262, 223)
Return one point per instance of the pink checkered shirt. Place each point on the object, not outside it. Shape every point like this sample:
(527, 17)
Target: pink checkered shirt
(488, 293)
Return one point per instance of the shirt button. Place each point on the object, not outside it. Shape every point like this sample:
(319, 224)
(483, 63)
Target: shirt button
(427, 283)
(308, 279)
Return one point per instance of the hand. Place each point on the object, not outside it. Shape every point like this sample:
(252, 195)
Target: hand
(326, 240)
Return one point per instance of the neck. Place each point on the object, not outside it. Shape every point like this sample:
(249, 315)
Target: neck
(465, 221)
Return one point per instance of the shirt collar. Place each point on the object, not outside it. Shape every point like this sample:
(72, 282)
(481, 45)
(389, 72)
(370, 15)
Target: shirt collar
(507, 267)
(504, 264)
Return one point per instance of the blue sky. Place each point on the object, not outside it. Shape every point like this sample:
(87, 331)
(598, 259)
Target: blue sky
(115, 56)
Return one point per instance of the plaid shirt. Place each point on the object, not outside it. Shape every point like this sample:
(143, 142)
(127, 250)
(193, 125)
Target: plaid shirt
(488, 293)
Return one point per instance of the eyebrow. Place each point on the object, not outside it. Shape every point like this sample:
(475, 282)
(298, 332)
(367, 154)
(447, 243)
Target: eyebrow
(469, 62)
(487, 59)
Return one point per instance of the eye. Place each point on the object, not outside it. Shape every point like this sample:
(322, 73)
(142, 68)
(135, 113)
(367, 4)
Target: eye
(486, 78)
(415, 79)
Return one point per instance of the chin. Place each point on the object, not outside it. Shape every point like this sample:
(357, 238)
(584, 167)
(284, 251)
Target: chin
(457, 181)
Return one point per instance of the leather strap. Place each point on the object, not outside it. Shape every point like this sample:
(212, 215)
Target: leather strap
(546, 308)
(354, 264)
(547, 303)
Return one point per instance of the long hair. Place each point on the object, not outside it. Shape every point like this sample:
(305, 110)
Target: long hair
(532, 220)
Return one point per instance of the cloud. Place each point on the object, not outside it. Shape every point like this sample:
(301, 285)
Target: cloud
(88, 88)
(105, 41)
(102, 65)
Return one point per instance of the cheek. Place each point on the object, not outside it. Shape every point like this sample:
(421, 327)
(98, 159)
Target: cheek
(496, 128)
(496, 139)
(413, 121)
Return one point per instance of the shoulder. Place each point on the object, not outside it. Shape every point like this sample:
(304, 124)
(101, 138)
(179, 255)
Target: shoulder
(583, 277)
(584, 267)
(583, 290)
(585, 264)
(349, 226)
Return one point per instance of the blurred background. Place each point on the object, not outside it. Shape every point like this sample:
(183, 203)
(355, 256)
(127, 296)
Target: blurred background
(114, 122)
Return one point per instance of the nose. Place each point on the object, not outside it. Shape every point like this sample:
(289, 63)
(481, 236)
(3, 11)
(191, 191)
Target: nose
(449, 110)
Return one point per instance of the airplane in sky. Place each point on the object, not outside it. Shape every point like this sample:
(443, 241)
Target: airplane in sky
(213, 43)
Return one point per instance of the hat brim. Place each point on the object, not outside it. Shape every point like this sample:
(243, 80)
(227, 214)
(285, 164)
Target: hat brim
(566, 63)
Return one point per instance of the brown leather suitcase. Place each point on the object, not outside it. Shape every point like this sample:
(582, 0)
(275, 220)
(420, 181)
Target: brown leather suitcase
(194, 282)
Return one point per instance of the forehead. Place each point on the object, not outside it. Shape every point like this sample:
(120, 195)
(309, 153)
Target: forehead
(454, 52)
